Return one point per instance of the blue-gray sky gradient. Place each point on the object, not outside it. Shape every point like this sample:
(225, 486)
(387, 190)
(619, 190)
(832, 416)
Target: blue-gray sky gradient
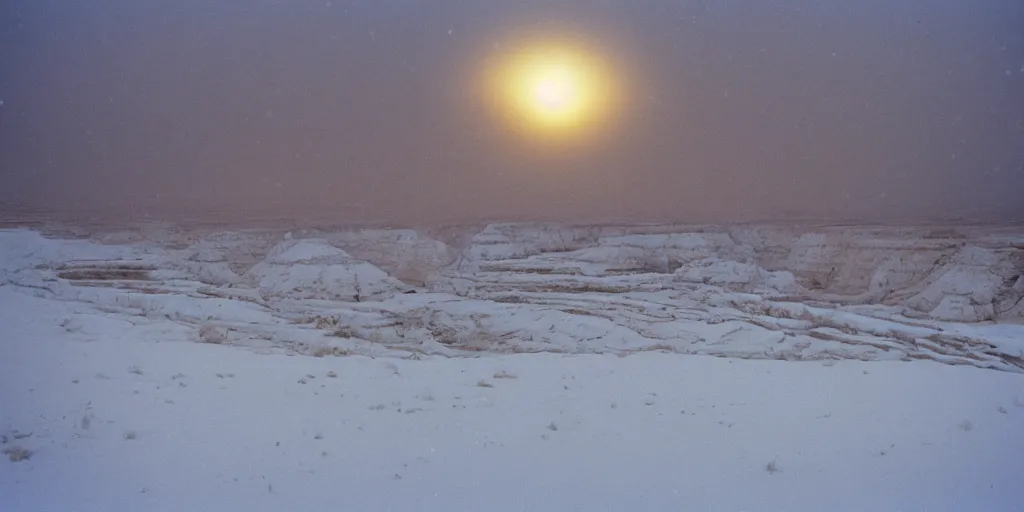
(364, 109)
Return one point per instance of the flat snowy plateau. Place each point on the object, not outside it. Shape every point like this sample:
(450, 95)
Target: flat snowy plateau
(512, 367)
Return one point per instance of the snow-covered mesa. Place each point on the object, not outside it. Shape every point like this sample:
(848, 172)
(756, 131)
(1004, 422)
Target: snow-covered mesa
(768, 292)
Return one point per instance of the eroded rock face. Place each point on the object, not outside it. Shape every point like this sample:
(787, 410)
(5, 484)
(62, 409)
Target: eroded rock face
(973, 285)
(934, 274)
(749, 291)
(740, 276)
(315, 269)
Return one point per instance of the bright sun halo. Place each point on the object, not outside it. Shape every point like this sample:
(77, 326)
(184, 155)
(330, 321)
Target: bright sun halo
(552, 88)
(555, 93)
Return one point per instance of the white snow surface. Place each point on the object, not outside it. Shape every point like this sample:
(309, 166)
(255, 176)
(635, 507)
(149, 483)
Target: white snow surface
(535, 367)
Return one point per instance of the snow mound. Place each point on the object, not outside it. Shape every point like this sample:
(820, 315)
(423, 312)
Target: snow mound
(402, 253)
(314, 269)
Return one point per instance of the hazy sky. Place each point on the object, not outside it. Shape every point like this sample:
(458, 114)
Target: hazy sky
(367, 110)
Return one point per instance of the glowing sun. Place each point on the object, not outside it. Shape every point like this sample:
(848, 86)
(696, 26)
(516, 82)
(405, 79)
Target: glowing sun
(552, 88)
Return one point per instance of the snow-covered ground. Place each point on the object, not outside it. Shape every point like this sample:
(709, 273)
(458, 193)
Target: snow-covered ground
(513, 367)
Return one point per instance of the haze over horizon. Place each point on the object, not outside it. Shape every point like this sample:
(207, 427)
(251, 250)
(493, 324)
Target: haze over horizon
(368, 111)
